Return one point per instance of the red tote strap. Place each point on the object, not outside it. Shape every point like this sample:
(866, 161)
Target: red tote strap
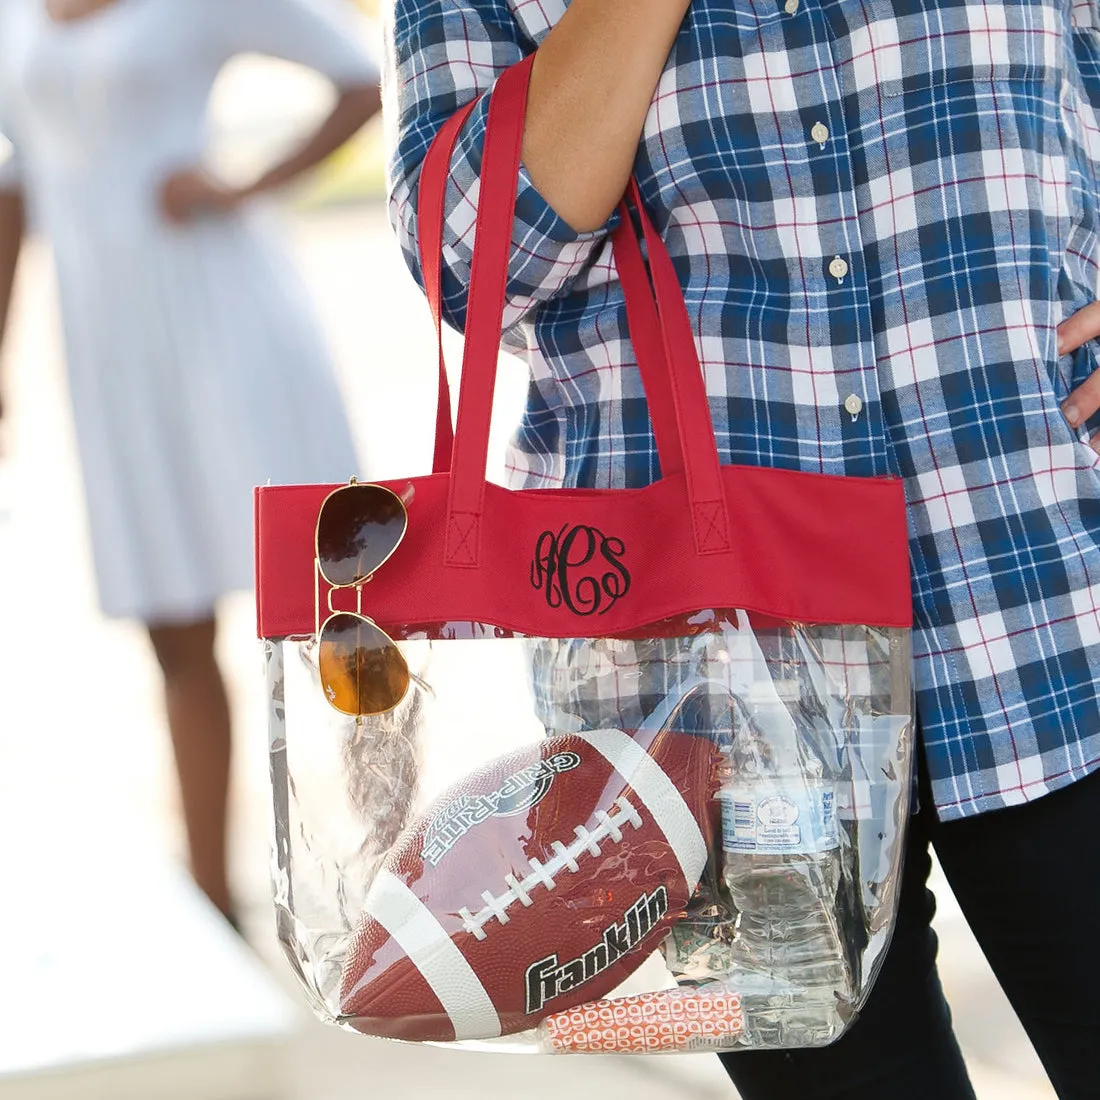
(485, 311)
(643, 324)
(430, 209)
(644, 327)
(681, 380)
(704, 470)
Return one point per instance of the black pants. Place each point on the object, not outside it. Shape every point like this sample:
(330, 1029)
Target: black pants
(1028, 881)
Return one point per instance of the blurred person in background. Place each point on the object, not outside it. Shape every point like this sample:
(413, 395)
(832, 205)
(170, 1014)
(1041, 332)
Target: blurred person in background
(195, 366)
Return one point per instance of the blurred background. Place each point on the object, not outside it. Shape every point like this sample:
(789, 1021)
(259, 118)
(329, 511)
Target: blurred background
(118, 979)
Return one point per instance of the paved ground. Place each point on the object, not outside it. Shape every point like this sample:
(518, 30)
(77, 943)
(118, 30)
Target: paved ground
(81, 737)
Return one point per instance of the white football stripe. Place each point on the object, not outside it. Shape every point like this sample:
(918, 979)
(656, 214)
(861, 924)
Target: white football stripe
(659, 796)
(427, 944)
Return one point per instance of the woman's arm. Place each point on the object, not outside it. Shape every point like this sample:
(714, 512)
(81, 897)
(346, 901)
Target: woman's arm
(354, 108)
(193, 191)
(322, 35)
(593, 83)
(11, 241)
(591, 86)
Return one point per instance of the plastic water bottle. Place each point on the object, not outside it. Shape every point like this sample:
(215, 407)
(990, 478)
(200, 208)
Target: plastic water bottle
(782, 865)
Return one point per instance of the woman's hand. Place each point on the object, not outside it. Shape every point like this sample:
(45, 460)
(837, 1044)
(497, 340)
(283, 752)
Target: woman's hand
(1084, 401)
(193, 192)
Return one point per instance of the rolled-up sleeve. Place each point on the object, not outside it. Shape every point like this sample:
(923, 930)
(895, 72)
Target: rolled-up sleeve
(440, 54)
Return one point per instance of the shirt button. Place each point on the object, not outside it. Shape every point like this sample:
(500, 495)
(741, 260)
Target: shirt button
(838, 268)
(790, 7)
(820, 133)
(853, 403)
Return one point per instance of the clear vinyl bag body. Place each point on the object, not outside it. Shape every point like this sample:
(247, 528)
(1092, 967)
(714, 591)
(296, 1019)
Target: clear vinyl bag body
(650, 844)
(585, 769)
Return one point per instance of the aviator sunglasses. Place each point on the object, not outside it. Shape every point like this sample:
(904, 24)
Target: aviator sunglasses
(358, 528)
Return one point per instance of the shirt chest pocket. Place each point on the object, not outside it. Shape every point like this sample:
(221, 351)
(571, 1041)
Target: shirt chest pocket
(910, 45)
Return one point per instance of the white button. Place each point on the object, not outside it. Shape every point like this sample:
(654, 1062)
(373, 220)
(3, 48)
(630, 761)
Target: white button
(853, 403)
(820, 133)
(790, 7)
(838, 268)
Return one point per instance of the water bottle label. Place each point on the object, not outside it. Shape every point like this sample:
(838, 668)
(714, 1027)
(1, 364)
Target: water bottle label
(783, 821)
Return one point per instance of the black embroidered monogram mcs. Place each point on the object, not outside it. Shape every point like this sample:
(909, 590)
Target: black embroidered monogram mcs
(580, 568)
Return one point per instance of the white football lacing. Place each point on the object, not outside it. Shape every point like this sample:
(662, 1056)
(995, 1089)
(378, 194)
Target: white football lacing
(564, 858)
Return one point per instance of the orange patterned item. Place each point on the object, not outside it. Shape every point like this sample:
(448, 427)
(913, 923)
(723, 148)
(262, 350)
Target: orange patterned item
(707, 1018)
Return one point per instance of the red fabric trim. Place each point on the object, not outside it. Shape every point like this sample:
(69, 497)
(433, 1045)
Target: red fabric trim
(805, 547)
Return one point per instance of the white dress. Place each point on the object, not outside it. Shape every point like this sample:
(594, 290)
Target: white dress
(195, 366)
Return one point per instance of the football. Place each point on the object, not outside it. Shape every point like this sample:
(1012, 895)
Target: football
(539, 882)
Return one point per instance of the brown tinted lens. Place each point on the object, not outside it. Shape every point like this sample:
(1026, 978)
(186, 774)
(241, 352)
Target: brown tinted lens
(362, 671)
(358, 527)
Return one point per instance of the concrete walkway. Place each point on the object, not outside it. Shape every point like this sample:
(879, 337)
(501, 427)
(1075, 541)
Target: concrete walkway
(82, 745)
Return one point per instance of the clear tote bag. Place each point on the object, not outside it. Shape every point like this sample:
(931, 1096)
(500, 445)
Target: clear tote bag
(585, 770)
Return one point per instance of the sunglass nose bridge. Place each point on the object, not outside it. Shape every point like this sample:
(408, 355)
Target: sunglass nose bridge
(340, 588)
(319, 580)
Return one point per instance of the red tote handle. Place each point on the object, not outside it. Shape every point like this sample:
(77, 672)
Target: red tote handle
(689, 396)
(429, 219)
(644, 327)
(643, 322)
(677, 381)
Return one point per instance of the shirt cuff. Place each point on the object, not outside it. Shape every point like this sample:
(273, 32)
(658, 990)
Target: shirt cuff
(547, 253)
(537, 216)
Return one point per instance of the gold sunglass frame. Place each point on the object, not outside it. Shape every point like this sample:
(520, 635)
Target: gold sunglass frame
(319, 576)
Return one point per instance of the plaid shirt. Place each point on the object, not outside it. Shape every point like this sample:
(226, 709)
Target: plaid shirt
(879, 211)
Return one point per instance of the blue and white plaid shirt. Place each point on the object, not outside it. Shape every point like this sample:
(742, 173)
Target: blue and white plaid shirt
(879, 211)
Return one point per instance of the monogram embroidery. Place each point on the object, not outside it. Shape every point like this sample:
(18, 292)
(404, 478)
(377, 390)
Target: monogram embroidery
(580, 568)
